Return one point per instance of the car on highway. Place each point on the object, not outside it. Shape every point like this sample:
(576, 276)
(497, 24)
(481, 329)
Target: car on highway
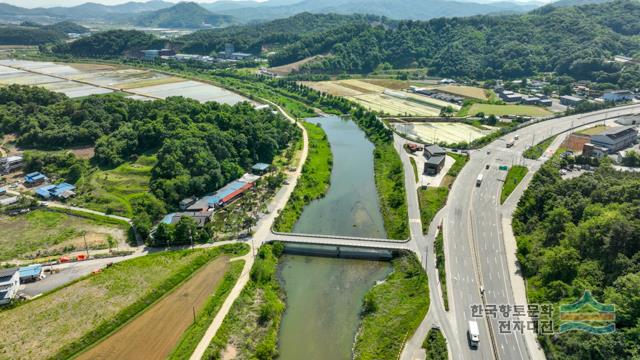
(487, 166)
(479, 180)
(473, 333)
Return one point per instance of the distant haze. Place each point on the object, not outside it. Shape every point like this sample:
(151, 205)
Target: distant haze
(51, 3)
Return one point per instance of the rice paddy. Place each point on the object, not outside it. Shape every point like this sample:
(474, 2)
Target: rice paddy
(80, 80)
(390, 101)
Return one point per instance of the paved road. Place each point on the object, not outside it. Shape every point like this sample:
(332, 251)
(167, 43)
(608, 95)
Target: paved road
(366, 243)
(474, 247)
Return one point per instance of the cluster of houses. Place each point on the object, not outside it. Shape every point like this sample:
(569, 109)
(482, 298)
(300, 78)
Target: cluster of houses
(10, 280)
(201, 210)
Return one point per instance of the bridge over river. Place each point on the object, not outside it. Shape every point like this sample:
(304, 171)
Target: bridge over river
(342, 241)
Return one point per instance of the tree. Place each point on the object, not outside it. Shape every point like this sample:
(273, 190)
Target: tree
(75, 173)
(163, 235)
(185, 231)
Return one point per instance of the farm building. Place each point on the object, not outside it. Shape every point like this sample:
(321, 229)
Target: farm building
(60, 191)
(260, 168)
(10, 163)
(30, 273)
(616, 139)
(9, 284)
(568, 100)
(200, 217)
(618, 95)
(34, 178)
(629, 120)
(6, 200)
(434, 156)
(590, 150)
(229, 193)
(185, 203)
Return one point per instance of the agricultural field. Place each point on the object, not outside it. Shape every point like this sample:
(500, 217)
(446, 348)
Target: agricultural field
(383, 96)
(68, 320)
(111, 191)
(79, 80)
(593, 130)
(441, 132)
(514, 110)
(42, 233)
(464, 91)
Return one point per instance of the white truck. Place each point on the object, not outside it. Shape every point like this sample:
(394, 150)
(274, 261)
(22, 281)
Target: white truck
(474, 334)
(479, 180)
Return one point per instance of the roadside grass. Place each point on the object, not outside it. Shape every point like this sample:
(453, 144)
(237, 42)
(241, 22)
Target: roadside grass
(389, 175)
(195, 332)
(592, 130)
(435, 345)
(514, 176)
(415, 169)
(43, 233)
(251, 327)
(431, 200)
(392, 311)
(537, 150)
(460, 161)
(67, 320)
(502, 110)
(111, 191)
(314, 181)
(438, 246)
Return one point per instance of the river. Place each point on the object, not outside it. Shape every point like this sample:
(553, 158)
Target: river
(324, 295)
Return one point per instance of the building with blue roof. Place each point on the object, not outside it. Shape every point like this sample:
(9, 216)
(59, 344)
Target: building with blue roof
(34, 178)
(60, 191)
(30, 273)
(229, 193)
(260, 168)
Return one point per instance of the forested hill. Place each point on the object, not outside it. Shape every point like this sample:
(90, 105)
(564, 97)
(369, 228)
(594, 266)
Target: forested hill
(570, 40)
(186, 15)
(252, 38)
(29, 33)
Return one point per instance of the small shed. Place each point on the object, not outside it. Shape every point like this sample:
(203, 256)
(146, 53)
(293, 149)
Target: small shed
(30, 273)
(260, 168)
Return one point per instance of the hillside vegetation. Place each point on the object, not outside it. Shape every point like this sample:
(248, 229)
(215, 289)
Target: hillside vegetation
(182, 15)
(583, 234)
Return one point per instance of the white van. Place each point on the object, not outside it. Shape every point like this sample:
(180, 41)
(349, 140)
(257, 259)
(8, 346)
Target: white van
(474, 334)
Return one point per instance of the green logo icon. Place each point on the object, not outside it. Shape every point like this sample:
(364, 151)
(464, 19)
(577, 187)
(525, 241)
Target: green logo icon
(588, 315)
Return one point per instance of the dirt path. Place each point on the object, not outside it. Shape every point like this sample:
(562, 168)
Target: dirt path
(157, 331)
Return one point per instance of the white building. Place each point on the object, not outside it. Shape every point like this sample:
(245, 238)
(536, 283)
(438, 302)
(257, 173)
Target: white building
(9, 284)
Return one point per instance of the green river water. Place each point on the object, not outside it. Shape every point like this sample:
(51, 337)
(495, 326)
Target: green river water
(324, 295)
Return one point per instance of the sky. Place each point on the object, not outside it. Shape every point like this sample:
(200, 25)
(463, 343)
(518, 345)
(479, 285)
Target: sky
(50, 3)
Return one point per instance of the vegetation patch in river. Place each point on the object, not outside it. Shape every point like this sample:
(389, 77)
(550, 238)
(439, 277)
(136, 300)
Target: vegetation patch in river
(393, 310)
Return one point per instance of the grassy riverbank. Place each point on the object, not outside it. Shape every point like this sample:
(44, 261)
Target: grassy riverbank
(389, 175)
(191, 337)
(250, 330)
(435, 345)
(514, 177)
(314, 181)
(537, 150)
(393, 310)
(438, 246)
